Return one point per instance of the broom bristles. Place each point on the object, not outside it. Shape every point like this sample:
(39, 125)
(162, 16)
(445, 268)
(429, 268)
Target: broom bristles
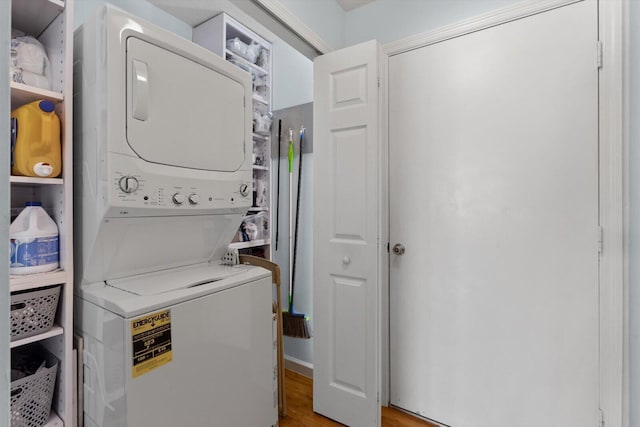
(295, 325)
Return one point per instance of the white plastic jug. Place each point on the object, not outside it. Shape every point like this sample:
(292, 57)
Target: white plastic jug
(34, 241)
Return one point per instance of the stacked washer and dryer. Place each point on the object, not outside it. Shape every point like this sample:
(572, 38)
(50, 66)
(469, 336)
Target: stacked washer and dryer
(163, 178)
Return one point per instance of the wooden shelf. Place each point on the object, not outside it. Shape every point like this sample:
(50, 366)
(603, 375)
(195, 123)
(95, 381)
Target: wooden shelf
(28, 180)
(39, 280)
(23, 94)
(34, 16)
(260, 168)
(250, 244)
(53, 332)
(258, 209)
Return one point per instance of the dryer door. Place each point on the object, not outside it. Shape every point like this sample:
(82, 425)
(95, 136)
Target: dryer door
(181, 113)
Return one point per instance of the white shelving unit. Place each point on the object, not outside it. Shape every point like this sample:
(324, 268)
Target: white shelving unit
(51, 22)
(214, 35)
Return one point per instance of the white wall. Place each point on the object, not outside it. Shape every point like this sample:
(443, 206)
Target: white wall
(324, 17)
(634, 217)
(84, 9)
(390, 20)
(5, 35)
(293, 85)
(292, 77)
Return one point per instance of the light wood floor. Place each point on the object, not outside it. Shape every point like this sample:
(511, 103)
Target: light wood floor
(299, 394)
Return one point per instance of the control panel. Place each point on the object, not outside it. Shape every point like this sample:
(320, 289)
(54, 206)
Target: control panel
(132, 191)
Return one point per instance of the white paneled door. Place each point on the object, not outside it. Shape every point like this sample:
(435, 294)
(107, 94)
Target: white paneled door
(494, 195)
(347, 220)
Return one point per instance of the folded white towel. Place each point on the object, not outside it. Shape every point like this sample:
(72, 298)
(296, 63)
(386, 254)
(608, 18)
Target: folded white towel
(28, 54)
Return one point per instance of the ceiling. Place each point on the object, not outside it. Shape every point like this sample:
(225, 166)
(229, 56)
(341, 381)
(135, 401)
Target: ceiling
(348, 5)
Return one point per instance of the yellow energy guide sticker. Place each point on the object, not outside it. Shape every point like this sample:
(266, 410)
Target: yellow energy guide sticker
(151, 338)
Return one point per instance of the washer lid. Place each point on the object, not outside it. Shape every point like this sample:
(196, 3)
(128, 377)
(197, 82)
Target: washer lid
(182, 113)
(161, 282)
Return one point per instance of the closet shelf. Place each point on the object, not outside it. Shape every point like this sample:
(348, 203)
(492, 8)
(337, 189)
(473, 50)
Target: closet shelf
(260, 168)
(53, 332)
(34, 16)
(28, 180)
(54, 421)
(39, 280)
(23, 94)
(260, 100)
(261, 71)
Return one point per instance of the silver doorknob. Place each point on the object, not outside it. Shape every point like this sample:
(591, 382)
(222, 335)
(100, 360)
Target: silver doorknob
(398, 249)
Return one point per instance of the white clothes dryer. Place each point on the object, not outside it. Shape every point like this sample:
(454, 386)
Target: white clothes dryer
(163, 177)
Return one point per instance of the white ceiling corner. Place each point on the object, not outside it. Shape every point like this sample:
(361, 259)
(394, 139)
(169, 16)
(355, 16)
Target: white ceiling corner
(348, 5)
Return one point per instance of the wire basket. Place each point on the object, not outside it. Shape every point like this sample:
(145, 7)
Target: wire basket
(33, 312)
(32, 395)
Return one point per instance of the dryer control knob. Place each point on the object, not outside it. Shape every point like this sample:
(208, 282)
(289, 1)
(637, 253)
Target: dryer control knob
(244, 190)
(194, 198)
(129, 184)
(178, 198)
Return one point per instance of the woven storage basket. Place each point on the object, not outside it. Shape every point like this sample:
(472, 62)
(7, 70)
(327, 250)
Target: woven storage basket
(31, 396)
(33, 312)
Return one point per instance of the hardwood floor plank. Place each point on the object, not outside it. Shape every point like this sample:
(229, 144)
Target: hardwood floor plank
(299, 392)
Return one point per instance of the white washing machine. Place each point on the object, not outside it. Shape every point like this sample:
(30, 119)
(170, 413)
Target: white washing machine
(163, 176)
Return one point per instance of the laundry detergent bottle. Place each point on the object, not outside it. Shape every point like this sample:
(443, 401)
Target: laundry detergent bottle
(36, 149)
(34, 241)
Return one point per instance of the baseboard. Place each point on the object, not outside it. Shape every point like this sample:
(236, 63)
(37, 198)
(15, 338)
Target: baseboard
(299, 366)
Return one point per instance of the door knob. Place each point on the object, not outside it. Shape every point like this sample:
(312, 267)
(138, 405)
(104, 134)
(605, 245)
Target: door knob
(346, 260)
(398, 249)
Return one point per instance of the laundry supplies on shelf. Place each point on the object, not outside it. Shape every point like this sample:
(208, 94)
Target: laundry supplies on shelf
(36, 149)
(34, 241)
(33, 312)
(250, 52)
(33, 380)
(29, 63)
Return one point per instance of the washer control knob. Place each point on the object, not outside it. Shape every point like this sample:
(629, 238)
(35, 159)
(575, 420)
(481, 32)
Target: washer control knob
(244, 190)
(194, 199)
(129, 184)
(178, 198)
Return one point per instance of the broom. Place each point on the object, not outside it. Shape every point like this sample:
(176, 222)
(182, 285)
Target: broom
(294, 324)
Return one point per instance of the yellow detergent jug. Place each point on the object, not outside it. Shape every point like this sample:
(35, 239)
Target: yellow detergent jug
(35, 144)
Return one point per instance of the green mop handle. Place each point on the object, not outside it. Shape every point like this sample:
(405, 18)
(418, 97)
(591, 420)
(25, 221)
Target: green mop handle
(290, 155)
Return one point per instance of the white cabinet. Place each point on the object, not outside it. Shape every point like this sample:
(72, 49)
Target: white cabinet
(51, 22)
(228, 38)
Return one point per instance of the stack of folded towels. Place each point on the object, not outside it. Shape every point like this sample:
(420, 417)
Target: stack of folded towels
(29, 63)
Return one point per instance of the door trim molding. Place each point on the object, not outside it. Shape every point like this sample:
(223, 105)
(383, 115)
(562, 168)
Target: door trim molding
(287, 18)
(613, 16)
(477, 23)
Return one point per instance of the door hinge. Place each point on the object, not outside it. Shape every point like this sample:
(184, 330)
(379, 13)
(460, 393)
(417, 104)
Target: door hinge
(600, 239)
(388, 247)
(599, 54)
(601, 423)
(378, 81)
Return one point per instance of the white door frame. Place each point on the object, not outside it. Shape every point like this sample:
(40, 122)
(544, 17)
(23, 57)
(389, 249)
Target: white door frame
(613, 177)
